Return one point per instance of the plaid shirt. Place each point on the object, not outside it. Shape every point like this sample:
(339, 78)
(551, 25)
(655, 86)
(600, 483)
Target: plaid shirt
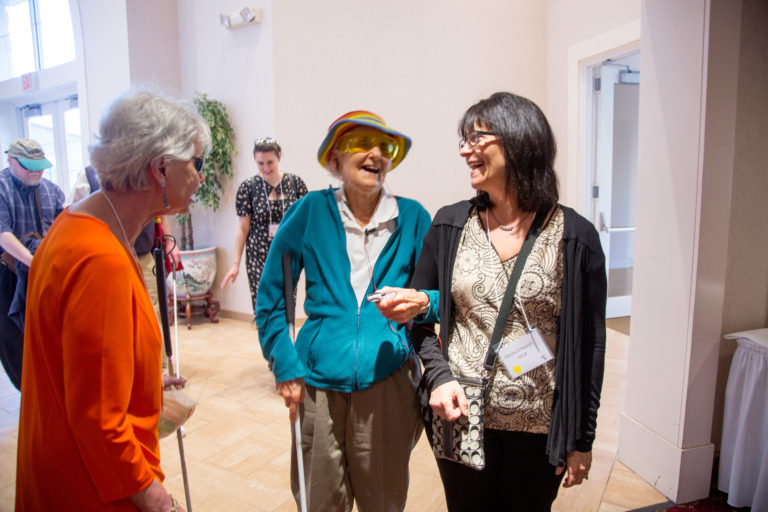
(17, 204)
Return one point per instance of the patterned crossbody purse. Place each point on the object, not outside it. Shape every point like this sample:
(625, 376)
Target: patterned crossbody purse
(462, 440)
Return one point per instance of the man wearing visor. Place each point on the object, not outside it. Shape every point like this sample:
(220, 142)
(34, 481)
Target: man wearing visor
(28, 205)
(348, 377)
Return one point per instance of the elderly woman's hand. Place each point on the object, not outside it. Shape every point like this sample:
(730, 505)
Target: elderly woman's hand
(401, 305)
(154, 498)
(292, 392)
(175, 254)
(171, 382)
(448, 401)
(577, 465)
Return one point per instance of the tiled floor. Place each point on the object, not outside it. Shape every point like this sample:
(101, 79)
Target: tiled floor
(238, 441)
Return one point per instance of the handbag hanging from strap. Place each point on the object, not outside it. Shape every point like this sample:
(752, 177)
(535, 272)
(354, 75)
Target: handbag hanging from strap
(462, 440)
(6, 258)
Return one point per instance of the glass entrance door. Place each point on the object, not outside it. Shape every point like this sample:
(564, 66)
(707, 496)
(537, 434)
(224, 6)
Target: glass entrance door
(56, 126)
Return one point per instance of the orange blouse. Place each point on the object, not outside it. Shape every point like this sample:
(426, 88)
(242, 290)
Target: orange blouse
(91, 387)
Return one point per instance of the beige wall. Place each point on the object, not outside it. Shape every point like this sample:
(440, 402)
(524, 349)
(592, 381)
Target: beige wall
(419, 65)
(746, 280)
(234, 67)
(153, 43)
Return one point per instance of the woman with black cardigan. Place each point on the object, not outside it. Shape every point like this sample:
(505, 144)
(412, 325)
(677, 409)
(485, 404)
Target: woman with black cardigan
(540, 425)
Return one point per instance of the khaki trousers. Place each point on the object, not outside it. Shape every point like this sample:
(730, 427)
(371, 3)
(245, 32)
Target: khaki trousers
(357, 446)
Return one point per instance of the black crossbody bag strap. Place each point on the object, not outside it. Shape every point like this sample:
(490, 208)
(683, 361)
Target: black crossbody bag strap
(509, 295)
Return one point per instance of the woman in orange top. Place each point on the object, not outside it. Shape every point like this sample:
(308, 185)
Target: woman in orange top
(92, 387)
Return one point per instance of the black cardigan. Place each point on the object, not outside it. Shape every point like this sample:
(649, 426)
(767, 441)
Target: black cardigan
(581, 334)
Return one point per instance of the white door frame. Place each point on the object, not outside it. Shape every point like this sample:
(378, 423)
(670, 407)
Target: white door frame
(581, 57)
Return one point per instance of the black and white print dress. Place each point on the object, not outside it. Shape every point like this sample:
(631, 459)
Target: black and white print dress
(480, 279)
(252, 200)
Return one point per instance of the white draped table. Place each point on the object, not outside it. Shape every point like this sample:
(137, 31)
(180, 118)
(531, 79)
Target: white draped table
(744, 451)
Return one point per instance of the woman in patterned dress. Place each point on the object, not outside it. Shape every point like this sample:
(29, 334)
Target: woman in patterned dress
(261, 203)
(539, 426)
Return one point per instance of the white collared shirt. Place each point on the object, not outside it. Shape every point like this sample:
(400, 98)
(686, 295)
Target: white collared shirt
(370, 239)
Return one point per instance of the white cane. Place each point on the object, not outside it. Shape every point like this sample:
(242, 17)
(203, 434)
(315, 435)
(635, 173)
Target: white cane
(163, 303)
(290, 314)
(176, 323)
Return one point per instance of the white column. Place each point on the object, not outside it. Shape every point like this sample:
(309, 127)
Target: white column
(689, 51)
(122, 44)
(101, 37)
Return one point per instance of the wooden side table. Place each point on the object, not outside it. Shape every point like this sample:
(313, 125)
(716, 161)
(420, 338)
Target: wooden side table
(200, 304)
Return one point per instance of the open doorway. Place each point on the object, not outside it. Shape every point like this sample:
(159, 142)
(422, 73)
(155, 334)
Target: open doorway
(611, 149)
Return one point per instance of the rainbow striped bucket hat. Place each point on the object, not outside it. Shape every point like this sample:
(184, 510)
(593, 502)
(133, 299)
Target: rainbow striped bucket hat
(360, 118)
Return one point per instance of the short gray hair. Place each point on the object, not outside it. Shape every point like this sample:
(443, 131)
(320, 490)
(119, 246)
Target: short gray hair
(141, 129)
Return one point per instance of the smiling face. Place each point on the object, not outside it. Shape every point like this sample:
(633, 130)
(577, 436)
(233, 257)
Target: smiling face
(362, 172)
(267, 161)
(486, 162)
(26, 177)
(182, 181)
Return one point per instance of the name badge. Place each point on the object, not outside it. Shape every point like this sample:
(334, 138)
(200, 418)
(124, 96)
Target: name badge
(525, 353)
(273, 228)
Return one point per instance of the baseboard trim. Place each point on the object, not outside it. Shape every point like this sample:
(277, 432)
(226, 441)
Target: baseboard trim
(681, 474)
(236, 315)
(654, 508)
(247, 317)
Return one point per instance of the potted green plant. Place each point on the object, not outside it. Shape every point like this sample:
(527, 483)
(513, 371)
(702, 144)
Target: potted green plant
(200, 264)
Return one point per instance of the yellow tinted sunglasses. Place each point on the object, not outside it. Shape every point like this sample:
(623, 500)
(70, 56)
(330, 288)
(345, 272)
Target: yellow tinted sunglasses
(363, 141)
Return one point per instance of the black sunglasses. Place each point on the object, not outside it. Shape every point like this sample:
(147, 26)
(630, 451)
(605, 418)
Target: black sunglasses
(199, 161)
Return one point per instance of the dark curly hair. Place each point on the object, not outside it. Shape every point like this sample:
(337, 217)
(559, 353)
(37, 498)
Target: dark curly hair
(265, 145)
(528, 144)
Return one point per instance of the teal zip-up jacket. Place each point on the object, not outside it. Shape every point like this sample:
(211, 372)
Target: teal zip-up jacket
(343, 345)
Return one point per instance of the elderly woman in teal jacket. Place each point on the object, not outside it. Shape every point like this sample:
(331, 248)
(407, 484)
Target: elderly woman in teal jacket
(348, 376)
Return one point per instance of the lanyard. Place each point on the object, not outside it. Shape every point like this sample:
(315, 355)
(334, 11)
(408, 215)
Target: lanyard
(509, 295)
(266, 198)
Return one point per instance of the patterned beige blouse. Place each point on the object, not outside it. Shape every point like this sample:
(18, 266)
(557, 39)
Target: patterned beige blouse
(479, 281)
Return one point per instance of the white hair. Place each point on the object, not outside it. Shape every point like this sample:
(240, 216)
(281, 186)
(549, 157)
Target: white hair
(141, 129)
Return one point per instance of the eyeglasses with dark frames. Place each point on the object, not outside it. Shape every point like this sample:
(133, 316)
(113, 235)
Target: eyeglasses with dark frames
(199, 161)
(473, 138)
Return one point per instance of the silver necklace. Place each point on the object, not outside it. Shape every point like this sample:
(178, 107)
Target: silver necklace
(510, 228)
(491, 258)
(125, 237)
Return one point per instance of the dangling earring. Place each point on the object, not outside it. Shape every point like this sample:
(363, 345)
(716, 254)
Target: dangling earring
(165, 197)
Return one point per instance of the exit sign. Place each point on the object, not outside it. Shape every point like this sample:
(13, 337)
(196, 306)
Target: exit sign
(29, 82)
